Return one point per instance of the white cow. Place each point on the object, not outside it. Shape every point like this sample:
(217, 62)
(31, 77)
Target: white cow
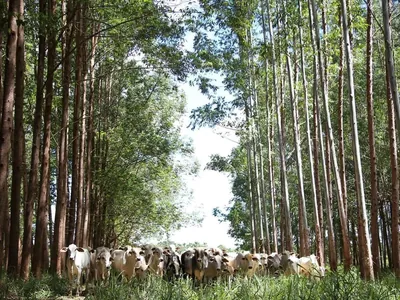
(309, 267)
(101, 264)
(125, 260)
(78, 261)
(156, 261)
(289, 263)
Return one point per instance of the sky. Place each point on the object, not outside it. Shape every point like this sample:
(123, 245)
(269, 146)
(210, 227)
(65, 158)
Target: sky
(210, 188)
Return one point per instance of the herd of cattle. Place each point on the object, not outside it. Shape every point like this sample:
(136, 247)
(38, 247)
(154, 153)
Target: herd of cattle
(200, 264)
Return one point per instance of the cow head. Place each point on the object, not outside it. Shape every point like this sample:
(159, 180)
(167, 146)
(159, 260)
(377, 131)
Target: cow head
(104, 258)
(201, 258)
(71, 249)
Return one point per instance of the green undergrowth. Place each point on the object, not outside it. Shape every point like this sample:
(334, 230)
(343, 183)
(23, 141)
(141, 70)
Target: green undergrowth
(333, 286)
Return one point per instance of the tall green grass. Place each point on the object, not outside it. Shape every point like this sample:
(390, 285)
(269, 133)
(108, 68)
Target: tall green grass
(333, 286)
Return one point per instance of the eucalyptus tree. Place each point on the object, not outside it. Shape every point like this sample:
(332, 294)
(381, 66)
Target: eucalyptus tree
(7, 120)
(392, 96)
(35, 148)
(269, 139)
(317, 225)
(365, 244)
(303, 226)
(321, 74)
(62, 164)
(372, 150)
(284, 185)
(18, 147)
(40, 250)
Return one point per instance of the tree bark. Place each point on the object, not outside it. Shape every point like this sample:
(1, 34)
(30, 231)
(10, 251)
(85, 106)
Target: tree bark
(363, 221)
(41, 246)
(35, 152)
(392, 93)
(372, 152)
(342, 213)
(62, 176)
(19, 140)
(6, 129)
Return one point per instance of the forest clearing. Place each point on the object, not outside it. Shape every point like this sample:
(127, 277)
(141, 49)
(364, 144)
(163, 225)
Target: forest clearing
(93, 160)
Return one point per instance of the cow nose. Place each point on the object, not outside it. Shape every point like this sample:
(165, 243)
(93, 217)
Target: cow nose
(108, 267)
(250, 267)
(161, 259)
(71, 258)
(218, 269)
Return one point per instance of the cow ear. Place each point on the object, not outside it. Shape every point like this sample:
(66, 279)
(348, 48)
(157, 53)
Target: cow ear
(92, 251)
(141, 253)
(80, 249)
(64, 249)
(224, 259)
(225, 254)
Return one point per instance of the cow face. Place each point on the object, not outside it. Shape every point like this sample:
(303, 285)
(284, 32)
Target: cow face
(216, 261)
(201, 258)
(71, 249)
(105, 259)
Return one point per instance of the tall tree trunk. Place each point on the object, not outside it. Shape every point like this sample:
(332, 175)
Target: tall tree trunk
(342, 165)
(395, 175)
(394, 97)
(329, 201)
(77, 126)
(269, 137)
(62, 176)
(303, 226)
(35, 152)
(90, 135)
(387, 30)
(82, 156)
(3, 7)
(41, 245)
(372, 152)
(19, 140)
(366, 244)
(7, 118)
(318, 232)
(253, 111)
(342, 213)
(287, 229)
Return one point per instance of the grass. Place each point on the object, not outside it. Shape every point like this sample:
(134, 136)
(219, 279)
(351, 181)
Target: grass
(333, 286)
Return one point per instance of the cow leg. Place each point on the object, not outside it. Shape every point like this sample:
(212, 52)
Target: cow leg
(78, 281)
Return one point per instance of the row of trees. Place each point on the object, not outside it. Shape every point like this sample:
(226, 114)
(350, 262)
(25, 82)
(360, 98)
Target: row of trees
(90, 113)
(316, 83)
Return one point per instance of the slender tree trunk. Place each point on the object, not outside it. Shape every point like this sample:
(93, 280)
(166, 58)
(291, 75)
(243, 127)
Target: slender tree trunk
(342, 213)
(278, 102)
(363, 225)
(17, 161)
(372, 152)
(393, 96)
(387, 30)
(395, 174)
(329, 201)
(303, 226)
(90, 134)
(7, 119)
(270, 162)
(41, 234)
(77, 128)
(342, 165)
(62, 176)
(318, 233)
(35, 152)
